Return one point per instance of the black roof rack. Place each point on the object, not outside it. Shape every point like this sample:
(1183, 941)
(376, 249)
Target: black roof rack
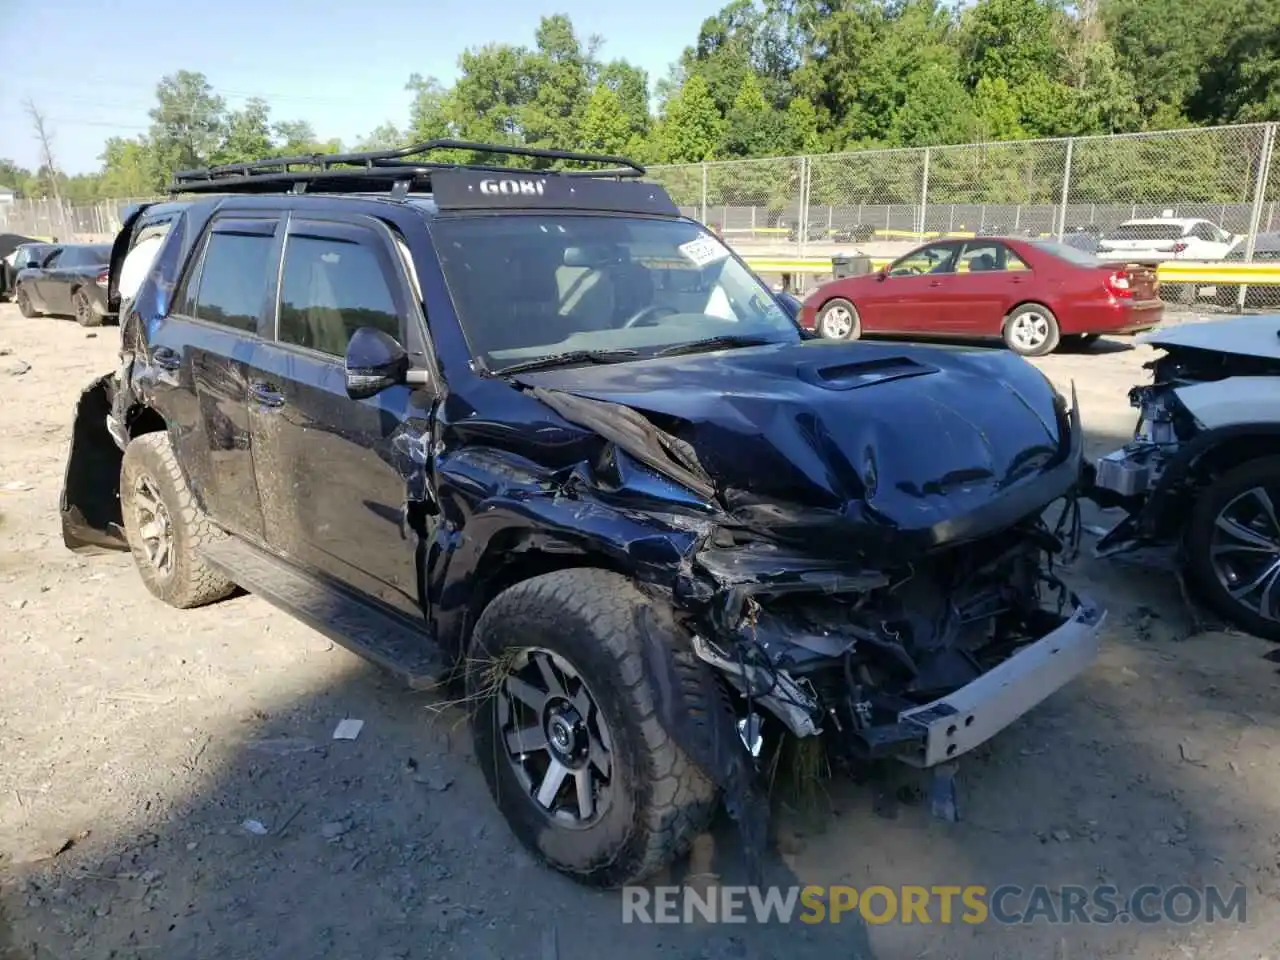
(382, 169)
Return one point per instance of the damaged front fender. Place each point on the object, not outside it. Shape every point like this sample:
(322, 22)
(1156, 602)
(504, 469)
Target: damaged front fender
(90, 504)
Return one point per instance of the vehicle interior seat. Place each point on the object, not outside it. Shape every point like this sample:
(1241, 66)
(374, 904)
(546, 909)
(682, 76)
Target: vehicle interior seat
(586, 290)
(985, 262)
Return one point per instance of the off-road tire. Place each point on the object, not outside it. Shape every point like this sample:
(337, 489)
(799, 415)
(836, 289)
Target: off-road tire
(1045, 347)
(1198, 542)
(831, 306)
(24, 304)
(662, 800)
(191, 582)
(83, 310)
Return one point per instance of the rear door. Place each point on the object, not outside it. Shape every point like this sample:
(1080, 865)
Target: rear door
(334, 492)
(907, 299)
(199, 360)
(988, 278)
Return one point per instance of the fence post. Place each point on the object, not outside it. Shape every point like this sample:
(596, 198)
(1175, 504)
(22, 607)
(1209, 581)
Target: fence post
(924, 193)
(804, 203)
(1066, 189)
(1259, 199)
(703, 217)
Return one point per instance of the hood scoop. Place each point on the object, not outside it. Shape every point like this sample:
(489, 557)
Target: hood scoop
(862, 373)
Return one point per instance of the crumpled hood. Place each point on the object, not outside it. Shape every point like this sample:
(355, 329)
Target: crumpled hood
(903, 436)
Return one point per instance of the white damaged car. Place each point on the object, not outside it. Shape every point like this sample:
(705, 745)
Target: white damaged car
(1202, 473)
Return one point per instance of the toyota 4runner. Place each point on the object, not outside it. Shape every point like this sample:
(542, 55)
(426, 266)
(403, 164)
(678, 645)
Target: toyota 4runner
(535, 431)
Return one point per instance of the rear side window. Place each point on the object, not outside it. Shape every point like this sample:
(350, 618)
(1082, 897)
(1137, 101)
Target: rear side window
(235, 275)
(1081, 258)
(333, 284)
(1146, 231)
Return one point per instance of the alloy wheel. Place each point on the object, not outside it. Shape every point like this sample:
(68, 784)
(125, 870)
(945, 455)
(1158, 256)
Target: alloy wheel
(557, 741)
(155, 527)
(837, 323)
(1244, 552)
(1029, 330)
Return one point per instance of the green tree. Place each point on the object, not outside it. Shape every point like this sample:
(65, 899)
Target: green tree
(631, 84)
(1012, 40)
(558, 78)
(385, 136)
(246, 134)
(1244, 83)
(130, 169)
(188, 121)
(605, 128)
(690, 127)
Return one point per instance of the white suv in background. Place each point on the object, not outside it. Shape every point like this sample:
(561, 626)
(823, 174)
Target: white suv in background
(1166, 238)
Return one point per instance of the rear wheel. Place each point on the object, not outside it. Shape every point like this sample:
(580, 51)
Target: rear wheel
(1233, 546)
(85, 315)
(164, 527)
(1032, 330)
(24, 304)
(838, 320)
(568, 735)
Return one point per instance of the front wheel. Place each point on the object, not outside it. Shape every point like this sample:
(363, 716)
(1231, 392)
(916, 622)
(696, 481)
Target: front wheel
(164, 527)
(838, 320)
(567, 733)
(1032, 330)
(24, 304)
(1233, 546)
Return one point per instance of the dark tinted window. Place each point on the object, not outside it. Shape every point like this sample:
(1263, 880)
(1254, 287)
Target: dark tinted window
(1081, 258)
(1146, 231)
(233, 281)
(331, 288)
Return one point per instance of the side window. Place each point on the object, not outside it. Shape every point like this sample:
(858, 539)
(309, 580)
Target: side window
(1014, 262)
(979, 258)
(334, 282)
(54, 260)
(235, 275)
(1203, 231)
(932, 259)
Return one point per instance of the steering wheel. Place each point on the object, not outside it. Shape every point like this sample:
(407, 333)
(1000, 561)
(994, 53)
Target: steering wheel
(652, 311)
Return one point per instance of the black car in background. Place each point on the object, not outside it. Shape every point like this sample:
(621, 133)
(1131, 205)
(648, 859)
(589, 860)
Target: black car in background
(15, 252)
(69, 280)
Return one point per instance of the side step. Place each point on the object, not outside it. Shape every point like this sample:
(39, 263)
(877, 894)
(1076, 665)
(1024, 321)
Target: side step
(392, 642)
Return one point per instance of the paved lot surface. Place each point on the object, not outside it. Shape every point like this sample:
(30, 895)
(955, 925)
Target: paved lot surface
(137, 741)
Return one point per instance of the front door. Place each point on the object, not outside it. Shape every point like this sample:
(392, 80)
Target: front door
(334, 470)
(906, 300)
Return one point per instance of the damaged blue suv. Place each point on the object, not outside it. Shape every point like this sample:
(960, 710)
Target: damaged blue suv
(535, 432)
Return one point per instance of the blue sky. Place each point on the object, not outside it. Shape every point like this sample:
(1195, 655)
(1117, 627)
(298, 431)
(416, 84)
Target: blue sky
(92, 68)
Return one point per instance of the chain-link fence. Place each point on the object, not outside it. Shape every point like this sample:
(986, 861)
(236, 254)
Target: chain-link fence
(45, 219)
(884, 201)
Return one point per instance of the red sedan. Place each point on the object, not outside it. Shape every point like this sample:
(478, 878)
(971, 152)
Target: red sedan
(1033, 293)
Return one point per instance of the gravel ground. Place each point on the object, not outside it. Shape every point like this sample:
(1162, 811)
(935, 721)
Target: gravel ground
(169, 786)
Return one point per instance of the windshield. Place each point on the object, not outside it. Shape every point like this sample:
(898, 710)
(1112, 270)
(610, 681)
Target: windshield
(1081, 258)
(533, 286)
(1146, 231)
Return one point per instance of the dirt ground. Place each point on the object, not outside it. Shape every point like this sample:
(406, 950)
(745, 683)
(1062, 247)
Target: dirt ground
(169, 785)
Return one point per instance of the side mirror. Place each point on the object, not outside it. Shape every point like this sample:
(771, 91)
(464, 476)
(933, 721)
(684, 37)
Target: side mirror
(374, 361)
(883, 274)
(789, 303)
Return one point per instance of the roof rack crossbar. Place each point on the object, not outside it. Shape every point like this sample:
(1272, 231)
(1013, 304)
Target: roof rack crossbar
(391, 165)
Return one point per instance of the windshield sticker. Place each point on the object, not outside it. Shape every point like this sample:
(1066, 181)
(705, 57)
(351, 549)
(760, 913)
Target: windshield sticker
(704, 250)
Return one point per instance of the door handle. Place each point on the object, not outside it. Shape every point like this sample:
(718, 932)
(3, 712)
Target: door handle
(935, 283)
(1016, 280)
(167, 358)
(266, 394)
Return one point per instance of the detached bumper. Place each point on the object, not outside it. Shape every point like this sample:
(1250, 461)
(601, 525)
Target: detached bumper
(953, 725)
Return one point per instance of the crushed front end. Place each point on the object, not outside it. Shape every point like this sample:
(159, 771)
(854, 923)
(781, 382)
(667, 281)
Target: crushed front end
(920, 656)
